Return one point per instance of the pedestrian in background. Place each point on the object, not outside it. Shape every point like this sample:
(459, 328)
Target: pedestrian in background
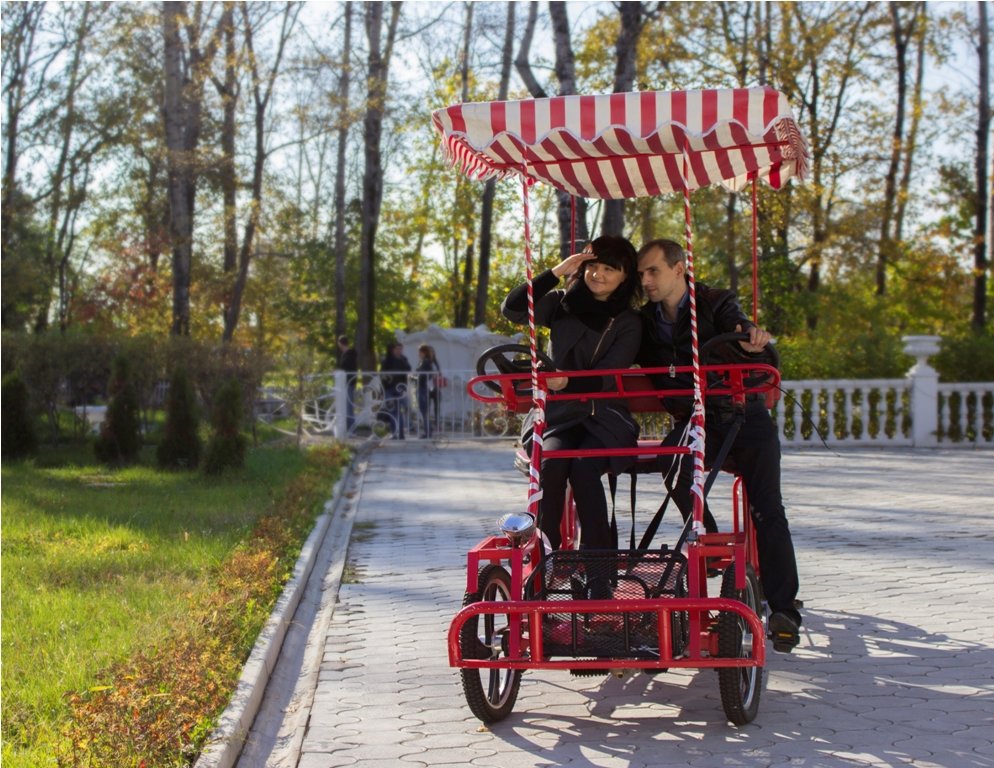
(348, 361)
(429, 383)
(394, 368)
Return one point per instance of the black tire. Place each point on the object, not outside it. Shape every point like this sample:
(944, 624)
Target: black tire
(490, 693)
(740, 687)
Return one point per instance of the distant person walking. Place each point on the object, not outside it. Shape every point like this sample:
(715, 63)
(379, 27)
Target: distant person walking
(429, 382)
(348, 361)
(394, 368)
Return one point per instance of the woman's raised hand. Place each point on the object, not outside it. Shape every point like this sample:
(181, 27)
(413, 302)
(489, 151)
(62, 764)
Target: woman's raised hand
(571, 264)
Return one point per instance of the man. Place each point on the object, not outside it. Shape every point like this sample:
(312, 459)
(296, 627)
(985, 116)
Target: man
(395, 386)
(756, 450)
(348, 361)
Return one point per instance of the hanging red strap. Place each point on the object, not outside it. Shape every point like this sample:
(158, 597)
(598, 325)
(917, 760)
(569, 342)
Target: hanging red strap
(755, 257)
(538, 427)
(697, 426)
(572, 224)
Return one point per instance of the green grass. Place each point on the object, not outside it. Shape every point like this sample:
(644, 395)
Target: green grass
(99, 564)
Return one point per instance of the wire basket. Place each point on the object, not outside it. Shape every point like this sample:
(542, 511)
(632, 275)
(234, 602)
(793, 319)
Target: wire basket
(610, 574)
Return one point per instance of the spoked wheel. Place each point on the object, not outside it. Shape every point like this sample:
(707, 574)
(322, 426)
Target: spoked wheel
(490, 693)
(740, 686)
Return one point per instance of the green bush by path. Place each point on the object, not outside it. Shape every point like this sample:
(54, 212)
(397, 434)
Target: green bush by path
(180, 446)
(141, 592)
(226, 448)
(19, 437)
(120, 437)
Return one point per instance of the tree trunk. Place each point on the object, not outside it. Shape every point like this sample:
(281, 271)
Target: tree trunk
(343, 136)
(732, 244)
(465, 283)
(980, 232)
(372, 179)
(566, 75)
(521, 61)
(902, 34)
(805, 85)
(61, 206)
(180, 226)
(227, 174)
(185, 72)
(490, 188)
(262, 91)
(18, 55)
(911, 145)
(624, 80)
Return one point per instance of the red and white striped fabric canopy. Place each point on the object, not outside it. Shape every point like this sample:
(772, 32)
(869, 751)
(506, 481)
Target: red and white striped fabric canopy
(624, 145)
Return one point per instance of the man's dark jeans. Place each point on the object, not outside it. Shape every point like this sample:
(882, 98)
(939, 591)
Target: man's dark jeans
(755, 455)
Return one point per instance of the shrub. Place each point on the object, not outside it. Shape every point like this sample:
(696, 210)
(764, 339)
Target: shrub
(226, 448)
(180, 446)
(966, 357)
(19, 438)
(120, 434)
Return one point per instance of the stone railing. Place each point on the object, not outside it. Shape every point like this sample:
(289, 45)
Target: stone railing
(914, 411)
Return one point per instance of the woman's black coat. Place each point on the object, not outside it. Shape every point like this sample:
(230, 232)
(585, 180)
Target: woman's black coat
(578, 345)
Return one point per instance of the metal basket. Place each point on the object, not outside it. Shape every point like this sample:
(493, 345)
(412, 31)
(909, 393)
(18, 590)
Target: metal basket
(610, 574)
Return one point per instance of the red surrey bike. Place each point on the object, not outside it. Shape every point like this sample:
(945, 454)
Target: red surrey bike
(529, 608)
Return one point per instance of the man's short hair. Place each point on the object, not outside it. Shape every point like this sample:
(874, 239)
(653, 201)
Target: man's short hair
(672, 251)
(344, 340)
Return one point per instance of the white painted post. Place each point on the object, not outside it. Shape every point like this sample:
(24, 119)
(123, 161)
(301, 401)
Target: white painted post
(924, 381)
(341, 406)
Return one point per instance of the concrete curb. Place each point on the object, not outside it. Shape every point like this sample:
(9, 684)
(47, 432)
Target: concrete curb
(228, 737)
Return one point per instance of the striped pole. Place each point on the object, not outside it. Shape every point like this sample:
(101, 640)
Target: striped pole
(755, 256)
(538, 393)
(572, 223)
(697, 434)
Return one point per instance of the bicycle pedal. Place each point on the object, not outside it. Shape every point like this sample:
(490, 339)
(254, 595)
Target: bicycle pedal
(783, 631)
(784, 645)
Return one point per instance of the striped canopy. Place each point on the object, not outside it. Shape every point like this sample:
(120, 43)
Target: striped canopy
(624, 145)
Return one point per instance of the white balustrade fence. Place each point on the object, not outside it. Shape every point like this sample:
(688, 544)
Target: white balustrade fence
(913, 411)
(866, 412)
(854, 412)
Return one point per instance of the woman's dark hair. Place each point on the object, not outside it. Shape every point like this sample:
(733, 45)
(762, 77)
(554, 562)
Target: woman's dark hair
(619, 253)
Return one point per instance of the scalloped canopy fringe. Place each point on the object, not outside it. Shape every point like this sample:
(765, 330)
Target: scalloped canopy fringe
(626, 145)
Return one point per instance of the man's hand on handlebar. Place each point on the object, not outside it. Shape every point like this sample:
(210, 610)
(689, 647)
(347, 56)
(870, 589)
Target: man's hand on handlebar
(758, 339)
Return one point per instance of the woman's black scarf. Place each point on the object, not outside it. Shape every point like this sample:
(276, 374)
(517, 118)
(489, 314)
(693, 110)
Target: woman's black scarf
(595, 314)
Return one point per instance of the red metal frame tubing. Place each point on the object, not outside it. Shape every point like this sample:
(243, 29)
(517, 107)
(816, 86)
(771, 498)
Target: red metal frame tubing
(534, 609)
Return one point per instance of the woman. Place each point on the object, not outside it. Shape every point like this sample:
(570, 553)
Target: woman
(593, 326)
(428, 380)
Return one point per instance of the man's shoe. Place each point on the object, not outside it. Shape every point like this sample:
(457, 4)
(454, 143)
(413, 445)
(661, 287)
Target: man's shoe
(785, 632)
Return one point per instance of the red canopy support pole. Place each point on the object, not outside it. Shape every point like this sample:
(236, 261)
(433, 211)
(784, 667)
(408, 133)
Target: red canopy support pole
(538, 427)
(697, 435)
(755, 256)
(572, 224)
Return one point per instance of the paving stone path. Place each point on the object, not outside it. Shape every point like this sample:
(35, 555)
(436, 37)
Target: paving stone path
(895, 666)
